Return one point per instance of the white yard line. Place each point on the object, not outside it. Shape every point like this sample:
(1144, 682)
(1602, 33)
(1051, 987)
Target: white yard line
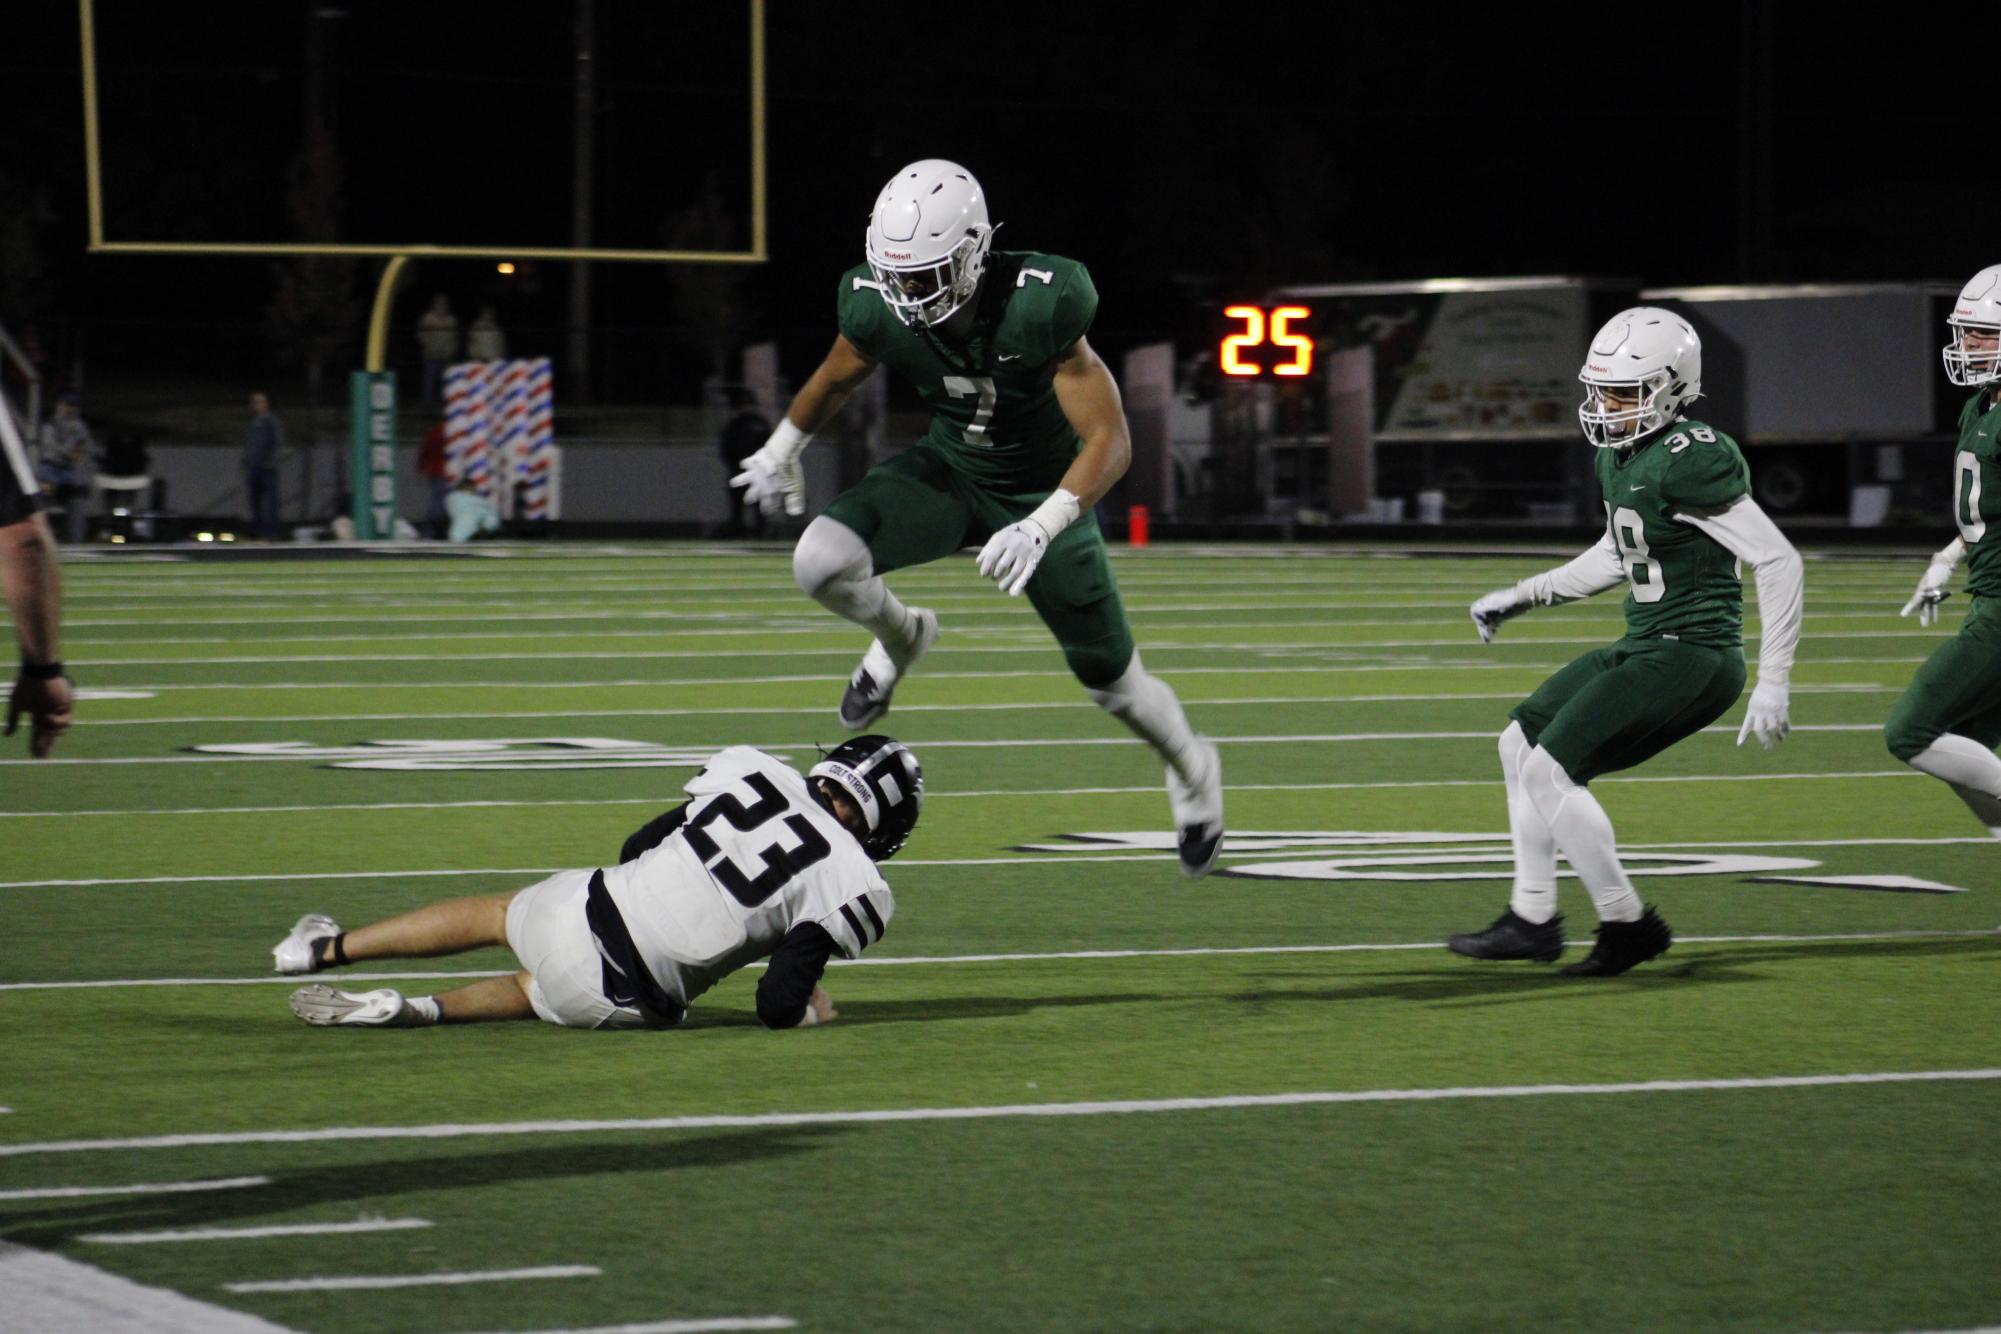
(888, 1115)
(578, 653)
(253, 1233)
(1149, 789)
(1019, 859)
(949, 960)
(45, 1292)
(374, 1282)
(1258, 701)
(1326, 668)
(140, 1188)
(1009, 743)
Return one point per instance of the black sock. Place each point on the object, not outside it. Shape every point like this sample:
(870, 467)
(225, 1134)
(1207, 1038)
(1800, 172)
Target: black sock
(331, 951)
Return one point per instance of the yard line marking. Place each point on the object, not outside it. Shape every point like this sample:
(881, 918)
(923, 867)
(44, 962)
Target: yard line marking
(1019, 859)
(715, 1324)
(246, 1233)
(1007, 743)
(141, 1188)
(783, 709)
(52, 1292)
(1456, 642)
(1150, 789)
(942, 960)
(729, 1121)
(1328, 668)
(370, 1282)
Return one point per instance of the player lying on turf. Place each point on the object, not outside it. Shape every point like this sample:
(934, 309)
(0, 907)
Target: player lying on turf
(1028, 434)
(757, 862)
(1948, 722)
(1678, 517)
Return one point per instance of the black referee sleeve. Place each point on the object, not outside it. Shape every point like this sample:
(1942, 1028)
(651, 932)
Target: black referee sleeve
(795, 969)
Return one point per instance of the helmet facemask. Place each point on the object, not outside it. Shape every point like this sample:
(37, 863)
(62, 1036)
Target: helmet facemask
(1611, 427)
(1973, 358)
(926, 295)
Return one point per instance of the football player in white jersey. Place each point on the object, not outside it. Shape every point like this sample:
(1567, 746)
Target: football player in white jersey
(757, 863)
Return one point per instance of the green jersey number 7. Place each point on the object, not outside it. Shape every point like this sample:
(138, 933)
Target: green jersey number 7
(982, 388)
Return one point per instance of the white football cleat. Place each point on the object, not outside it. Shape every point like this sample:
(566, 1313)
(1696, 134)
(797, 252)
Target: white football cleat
(1198, 812)
(329, 1007)
(867, 696)
(298, 952)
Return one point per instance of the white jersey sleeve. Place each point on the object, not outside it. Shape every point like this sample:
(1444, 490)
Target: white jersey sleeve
(860, 922)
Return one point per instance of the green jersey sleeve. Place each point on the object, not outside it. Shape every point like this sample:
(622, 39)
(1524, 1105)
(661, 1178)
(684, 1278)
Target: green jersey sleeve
(860, 311)
(1076, 305)
(1706, 470)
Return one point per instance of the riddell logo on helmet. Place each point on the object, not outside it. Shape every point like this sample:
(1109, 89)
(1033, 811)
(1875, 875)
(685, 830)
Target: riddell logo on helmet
(896, 254)
(1602, 370)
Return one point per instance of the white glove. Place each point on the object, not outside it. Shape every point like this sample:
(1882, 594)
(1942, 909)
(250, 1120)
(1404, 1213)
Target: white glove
(1932, 590)
(772, 477)
(1766, 716)
(1495, 607)
(1010, 556)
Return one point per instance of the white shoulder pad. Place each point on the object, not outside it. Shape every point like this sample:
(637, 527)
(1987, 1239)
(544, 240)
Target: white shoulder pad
(731, 764)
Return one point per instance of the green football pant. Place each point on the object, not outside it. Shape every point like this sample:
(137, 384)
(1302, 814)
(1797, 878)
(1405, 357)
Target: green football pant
(1621, 705)
(914, 508)
(1958, 689)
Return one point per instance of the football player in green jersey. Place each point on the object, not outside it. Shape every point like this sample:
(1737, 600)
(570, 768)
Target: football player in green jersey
(1027, 434)
(1949, 721)
(1678, 518)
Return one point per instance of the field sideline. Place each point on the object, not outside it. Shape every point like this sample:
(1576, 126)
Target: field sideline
(1069, 1088)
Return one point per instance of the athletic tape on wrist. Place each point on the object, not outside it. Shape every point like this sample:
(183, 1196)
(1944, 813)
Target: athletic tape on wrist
(41, 671)
(1058, 512)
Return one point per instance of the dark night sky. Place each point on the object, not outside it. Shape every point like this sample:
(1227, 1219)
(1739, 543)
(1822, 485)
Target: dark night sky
(1184, 152)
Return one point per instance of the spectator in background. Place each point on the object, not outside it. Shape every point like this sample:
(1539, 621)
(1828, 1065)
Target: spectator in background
(438, 339)
(66, 461)
(485, 340)
(471, 513)
(32, 585)
(743, 435)
(434, 466)
(262, 440)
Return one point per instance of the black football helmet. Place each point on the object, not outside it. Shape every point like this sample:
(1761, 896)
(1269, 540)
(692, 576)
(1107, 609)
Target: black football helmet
(880, 775)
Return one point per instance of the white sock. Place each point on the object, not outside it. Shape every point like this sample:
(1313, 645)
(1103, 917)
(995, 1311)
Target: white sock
(1149, 706)
(1972, 769)
(1584, 832)
(1534, 896)
(832, 566)
(422, 1011)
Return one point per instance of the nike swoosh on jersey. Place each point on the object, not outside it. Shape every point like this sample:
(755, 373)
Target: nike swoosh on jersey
(1015, 357)
(1641, 487)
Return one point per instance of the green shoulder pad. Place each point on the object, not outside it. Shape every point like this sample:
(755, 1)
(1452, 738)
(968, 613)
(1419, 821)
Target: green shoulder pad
(860, 311)
(1052, 305)
(1705, 469)
(1972, 411)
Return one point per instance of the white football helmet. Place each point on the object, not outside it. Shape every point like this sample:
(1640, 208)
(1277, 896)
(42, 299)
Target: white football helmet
(1654, 357)
(928, 239)
(1978, 311)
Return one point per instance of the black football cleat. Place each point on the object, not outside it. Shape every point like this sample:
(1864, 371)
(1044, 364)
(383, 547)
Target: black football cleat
(1513, 937)
(869, 689)
(1623, 944)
